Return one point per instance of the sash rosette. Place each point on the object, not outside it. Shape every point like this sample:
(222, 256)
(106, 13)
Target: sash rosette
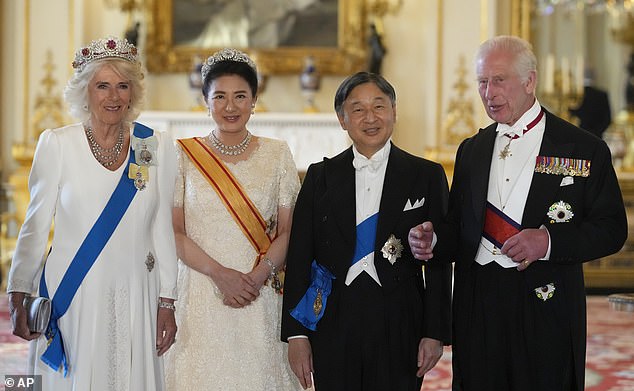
(311, 307)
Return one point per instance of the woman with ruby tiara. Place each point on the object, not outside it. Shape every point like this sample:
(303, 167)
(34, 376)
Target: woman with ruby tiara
(111, 271)
(233, 203)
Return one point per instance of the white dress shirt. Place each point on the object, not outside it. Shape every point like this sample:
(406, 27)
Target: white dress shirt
(368, 180)
(510, 178)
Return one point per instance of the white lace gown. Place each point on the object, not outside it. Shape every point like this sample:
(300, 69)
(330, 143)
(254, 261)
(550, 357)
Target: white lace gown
(109, 330)
(218, 347)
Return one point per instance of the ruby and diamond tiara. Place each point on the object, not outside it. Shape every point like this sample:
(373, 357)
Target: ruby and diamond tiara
(110, 47)
(226, 55)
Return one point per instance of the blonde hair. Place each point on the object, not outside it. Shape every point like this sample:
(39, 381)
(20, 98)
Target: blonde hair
(76, 91)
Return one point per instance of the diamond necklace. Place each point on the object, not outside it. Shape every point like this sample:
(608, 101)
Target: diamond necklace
(231, 150)
(105, 156)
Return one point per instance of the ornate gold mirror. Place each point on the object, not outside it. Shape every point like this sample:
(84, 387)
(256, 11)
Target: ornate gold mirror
(281, 34)
(573, 37)
(576, 42)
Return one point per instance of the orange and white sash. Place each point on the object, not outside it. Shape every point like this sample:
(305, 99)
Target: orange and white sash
(231, 193)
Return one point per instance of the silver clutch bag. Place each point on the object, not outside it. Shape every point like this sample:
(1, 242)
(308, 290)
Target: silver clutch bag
(38, 313)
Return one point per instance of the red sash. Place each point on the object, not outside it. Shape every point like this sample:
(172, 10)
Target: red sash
(498, 227)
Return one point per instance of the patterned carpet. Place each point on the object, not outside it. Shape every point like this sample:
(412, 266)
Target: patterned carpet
(609, 366)
(609, 356)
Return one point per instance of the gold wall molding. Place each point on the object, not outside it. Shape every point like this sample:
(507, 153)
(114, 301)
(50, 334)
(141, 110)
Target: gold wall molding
(459, 122)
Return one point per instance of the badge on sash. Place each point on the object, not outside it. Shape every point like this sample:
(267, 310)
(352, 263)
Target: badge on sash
(318, 303)
(312, 305)
(392, 249)
(139, 174)
(145, 150)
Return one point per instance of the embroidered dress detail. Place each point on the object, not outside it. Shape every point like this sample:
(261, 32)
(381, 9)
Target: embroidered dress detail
(150, 261)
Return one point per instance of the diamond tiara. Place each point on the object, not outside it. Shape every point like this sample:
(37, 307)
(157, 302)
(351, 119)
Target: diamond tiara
(226, 55)
(110, 47)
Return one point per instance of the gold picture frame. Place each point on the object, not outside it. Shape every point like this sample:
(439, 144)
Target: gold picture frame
(163, 55)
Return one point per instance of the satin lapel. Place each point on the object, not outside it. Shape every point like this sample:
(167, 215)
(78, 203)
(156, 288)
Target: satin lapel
(398, 179)
(480, 163)
(340, 190)
(543, 186)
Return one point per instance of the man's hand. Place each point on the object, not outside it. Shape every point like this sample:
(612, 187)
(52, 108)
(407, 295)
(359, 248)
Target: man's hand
(300, 356)
(420, 239)
(526, 247)
(429, 352)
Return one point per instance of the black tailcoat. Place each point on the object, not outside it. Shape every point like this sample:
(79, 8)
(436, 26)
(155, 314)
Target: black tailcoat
(598, 228)
(324, 229)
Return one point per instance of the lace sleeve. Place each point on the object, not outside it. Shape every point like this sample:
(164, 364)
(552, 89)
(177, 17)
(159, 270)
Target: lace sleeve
(289, 178)
(179, 185)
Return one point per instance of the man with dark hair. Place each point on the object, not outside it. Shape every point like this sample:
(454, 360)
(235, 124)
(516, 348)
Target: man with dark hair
(360, 313)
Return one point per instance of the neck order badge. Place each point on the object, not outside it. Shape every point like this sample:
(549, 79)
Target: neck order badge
(506, 152)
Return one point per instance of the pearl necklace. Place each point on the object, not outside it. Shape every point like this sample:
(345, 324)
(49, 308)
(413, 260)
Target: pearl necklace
(105, 156)
(231, 150)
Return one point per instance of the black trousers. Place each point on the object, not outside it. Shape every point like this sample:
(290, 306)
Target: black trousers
(512, 340)
(370, 342)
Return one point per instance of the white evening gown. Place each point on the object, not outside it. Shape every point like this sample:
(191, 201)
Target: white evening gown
(218, 347)
(109, 330)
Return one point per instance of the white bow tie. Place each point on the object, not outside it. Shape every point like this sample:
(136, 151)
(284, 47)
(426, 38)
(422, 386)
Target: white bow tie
(515, 130)
(360, 161)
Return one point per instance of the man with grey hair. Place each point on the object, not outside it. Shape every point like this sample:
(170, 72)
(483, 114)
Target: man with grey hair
(533, 197)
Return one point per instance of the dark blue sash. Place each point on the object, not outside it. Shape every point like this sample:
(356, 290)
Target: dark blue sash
(366, 238)
(308, 312)
(86, 255)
